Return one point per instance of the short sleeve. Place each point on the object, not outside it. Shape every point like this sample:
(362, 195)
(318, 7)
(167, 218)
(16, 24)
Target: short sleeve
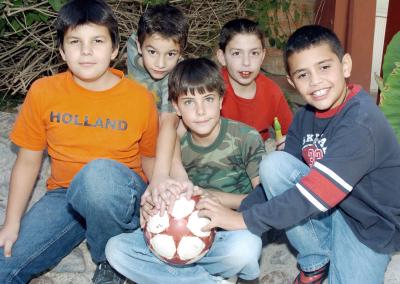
(149, 138)
(29, 130)
(252, 152)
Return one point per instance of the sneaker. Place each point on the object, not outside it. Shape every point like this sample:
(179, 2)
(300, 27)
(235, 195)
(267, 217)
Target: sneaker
(312, 277)
(105, 274)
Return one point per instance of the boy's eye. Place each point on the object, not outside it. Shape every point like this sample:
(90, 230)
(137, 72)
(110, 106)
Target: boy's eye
(73, 41)
(98, 41)
(172, 54)
(255, 53)
(210, 99)
(187, 102)
(151, 51)
(301, 75)
(235, 53)
(324, 67)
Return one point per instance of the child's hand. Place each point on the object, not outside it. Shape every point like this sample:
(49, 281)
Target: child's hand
(219, 215)
(161, 192)
(280, 145)
(8, 236)
(146, 210)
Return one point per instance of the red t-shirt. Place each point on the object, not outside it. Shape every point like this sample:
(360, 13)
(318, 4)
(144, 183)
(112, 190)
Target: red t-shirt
(258, 112)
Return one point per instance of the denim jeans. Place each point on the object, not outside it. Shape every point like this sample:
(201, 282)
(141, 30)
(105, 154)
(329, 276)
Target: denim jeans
(232, 253)
(102, 201)
(326, 237)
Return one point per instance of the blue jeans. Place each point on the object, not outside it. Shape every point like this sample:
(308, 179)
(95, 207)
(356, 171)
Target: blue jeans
(325, 238)
(232, 253)
(102, 201)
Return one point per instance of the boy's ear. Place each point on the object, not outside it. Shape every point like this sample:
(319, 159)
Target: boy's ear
(139, 48)
(290, 81)
(221, 57)
(175, 105)
(347, 64)
(114, 53)
(62, 53)
(221, 99)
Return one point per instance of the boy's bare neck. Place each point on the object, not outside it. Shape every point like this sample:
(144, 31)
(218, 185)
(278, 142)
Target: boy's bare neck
(107, 81)
(244, 91)
(207, 140)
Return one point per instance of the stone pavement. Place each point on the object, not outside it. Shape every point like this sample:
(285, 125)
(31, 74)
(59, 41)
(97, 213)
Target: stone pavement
(278, 264)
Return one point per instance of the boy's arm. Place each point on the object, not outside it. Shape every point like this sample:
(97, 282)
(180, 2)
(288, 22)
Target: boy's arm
(23, 178)
(229, 200)
(165, 154)
(220, 215)
(232, 200)
(147, 166)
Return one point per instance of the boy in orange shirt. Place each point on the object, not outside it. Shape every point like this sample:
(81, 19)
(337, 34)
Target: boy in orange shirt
(250, 96)
(100, 131)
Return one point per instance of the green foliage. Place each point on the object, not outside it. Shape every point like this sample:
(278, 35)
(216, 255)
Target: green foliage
(57, 4)
(18, 15)
(271, 14)
(390, 84)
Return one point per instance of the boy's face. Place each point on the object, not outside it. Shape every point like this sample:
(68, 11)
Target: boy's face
(159, 54)
(319, 76)
(243, 57)
(88, 51)
(201, 115)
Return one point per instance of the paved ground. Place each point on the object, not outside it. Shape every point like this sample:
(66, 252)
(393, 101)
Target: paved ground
(278, 265)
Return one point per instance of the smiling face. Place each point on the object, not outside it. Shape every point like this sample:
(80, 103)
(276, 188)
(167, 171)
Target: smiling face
(88, 51)
(242, 57)
(201, 115)
(159, 55)
(319, 76)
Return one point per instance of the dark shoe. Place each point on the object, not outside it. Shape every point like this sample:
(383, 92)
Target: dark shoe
(312, 277)
(105, 274)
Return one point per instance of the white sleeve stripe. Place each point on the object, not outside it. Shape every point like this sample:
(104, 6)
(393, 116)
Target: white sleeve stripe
(333, 176)
(311, 198)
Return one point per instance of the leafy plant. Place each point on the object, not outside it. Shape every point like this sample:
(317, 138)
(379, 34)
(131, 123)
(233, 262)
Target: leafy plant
(18, 15)
(389, 85)
(278, 18)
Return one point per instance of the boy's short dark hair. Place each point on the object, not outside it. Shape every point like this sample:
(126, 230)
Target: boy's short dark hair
(239, 26)
(166, 20)
(196, 74)
(80, 12)
(309, 36)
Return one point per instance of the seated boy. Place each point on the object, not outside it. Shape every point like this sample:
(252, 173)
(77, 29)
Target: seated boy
(100, 131)
(152, 54)
(336, 186)
(250, 96)
(221, 156)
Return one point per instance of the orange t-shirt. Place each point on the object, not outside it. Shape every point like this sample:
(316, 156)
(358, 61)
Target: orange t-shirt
(77, 125)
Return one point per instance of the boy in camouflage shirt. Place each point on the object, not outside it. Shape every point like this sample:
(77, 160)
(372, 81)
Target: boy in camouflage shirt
(221, 157)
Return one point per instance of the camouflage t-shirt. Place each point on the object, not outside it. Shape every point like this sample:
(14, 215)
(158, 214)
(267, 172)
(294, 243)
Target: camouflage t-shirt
(229, 163)
(137, 72)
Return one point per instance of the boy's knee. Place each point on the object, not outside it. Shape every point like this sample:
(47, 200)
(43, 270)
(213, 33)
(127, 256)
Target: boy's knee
(113, 249)
(246, 251)
(270, 163)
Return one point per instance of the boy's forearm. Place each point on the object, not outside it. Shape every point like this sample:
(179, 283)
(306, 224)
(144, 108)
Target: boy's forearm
(148, 166)
(230, 200)
(177, 170)
(23, 178)
(165, 145)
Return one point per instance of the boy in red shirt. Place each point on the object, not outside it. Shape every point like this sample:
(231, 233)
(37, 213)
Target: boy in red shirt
(250, 96)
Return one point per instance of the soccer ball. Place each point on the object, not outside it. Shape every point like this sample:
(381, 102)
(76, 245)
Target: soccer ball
(177, 238)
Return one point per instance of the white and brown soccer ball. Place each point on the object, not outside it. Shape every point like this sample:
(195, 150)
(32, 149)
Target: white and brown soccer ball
(177, 238)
